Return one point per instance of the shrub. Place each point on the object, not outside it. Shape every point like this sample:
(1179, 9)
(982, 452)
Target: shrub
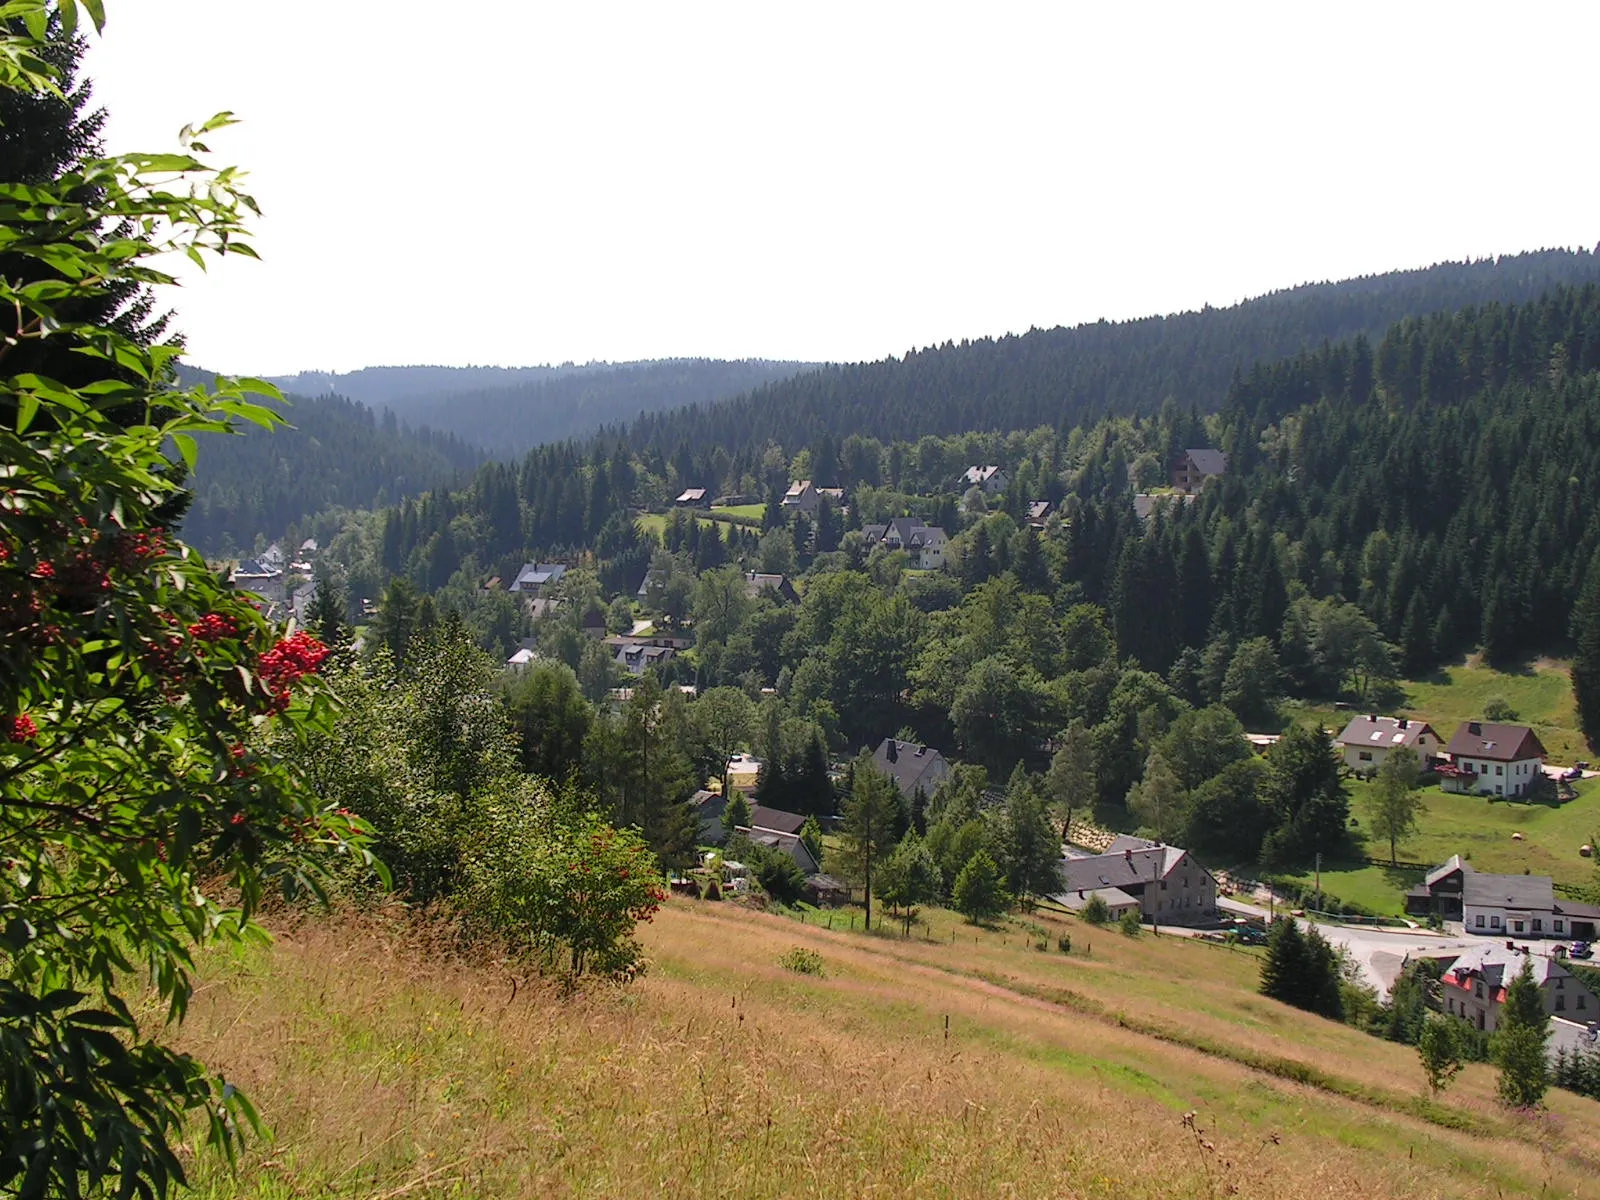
(1095, 911)
(1439, 1047)
(1129, 923)
(802, 961)
(1498, 708)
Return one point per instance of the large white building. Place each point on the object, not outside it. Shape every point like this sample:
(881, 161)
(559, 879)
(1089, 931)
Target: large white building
(1493, 760)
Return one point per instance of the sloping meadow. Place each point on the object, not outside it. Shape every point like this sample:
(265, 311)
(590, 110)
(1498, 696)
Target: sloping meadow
(935, 1066)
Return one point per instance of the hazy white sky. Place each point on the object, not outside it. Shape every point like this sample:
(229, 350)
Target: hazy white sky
(512, 183)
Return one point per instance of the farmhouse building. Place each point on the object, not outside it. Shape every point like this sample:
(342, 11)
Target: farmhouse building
(926, 544)
(1166, 881)
(1521, 906)
(1197, 466)
(1490, 759)
(912, 767)
(1367, 741)
(989, 479)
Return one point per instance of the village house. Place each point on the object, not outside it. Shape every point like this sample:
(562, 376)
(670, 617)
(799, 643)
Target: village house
(1367, 741)
(1492, 759)
(757, 583)
(1197, 466)
(804, 496)
(926, 544)
(913, 768)
(990, 480)
(1118, 902)
(538, 579)
(1474, 987)
(1169, 886)
(1038, 513)
(265, 580)
(1500, 905)
(693, 498)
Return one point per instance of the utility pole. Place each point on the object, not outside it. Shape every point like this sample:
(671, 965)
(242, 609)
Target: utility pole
(1155, 880)
(1319, 881)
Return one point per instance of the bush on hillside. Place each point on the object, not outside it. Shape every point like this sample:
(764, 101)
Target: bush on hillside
(1095, 911)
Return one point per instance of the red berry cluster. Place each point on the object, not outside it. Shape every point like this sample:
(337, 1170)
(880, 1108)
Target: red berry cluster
(213, 627)
(19, 729)
(129, 550)
(282, 666)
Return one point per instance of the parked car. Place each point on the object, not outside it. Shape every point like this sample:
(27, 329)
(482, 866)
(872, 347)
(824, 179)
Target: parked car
(1581, 950)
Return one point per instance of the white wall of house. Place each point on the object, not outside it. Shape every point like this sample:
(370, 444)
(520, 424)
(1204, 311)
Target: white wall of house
(1363, 758)
(1499, 920)
(1498, 778)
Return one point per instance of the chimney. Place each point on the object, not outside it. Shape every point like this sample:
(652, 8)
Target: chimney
(1474, 727)
(1404, 723)
(893, 753)
(1127, 857)
(1373, 717)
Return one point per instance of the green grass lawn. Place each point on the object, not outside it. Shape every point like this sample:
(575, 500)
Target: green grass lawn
(749, 511)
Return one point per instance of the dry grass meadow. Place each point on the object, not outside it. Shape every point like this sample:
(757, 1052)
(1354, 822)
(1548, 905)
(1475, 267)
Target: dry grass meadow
(390, 1071)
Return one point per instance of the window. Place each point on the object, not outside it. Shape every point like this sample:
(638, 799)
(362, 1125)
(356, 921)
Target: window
(1538, 925)
(1516, 926)
(1583, 1001)
(1477, 989)
(1494, 922)
(1365, 755)
(1560, 925)
(1560, 983)
(1163, 885)
(1561, 1004)
(1499, 770)
(1479, 921)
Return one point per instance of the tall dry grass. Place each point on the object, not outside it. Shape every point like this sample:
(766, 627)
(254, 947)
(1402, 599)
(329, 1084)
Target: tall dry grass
(389, 1069)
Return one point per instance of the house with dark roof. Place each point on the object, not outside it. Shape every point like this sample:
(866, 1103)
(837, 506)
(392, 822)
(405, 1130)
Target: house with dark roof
(538, 579)
(1146, 503)
(1170, 886)
(925, 543)
(1197, 466)
(1474, 986)
(912, 767)
(789, 843)
(1519, 906)
(1492, 759)
(775, 819)
(1038, 513)
(1368, 739)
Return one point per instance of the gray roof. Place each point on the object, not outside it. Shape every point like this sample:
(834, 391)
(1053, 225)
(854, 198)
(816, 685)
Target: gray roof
(1208, 462)
(789, 843)
(1498, 966)
(1125, 866)
(775, 819)
(910, 766)
(1114, 898)
(708, 806)
(539, 574)
(1383, 733)
(1507, 891)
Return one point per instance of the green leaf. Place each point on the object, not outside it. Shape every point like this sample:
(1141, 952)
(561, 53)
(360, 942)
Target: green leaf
(27, 406)
(186, 447)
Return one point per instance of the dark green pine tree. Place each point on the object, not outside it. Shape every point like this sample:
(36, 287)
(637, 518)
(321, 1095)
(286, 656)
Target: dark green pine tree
(1283, 971)
(328, 613)
(1416, 639)
(1586, 659)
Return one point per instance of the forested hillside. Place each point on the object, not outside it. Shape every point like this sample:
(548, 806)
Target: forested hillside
(336, 454)
(508, 411)
(1062, 377)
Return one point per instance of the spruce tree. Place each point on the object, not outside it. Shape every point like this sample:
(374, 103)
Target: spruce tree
(1518, 1044)
(1586, 659)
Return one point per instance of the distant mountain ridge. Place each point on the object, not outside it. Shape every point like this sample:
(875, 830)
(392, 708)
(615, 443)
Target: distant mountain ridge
(1067, 376)
(509, 410)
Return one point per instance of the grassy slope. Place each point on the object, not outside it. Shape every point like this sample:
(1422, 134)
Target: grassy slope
(1450, 824)
(389, 1073)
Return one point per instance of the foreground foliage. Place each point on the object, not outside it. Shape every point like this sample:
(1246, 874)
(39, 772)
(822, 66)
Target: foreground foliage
(141, 815)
